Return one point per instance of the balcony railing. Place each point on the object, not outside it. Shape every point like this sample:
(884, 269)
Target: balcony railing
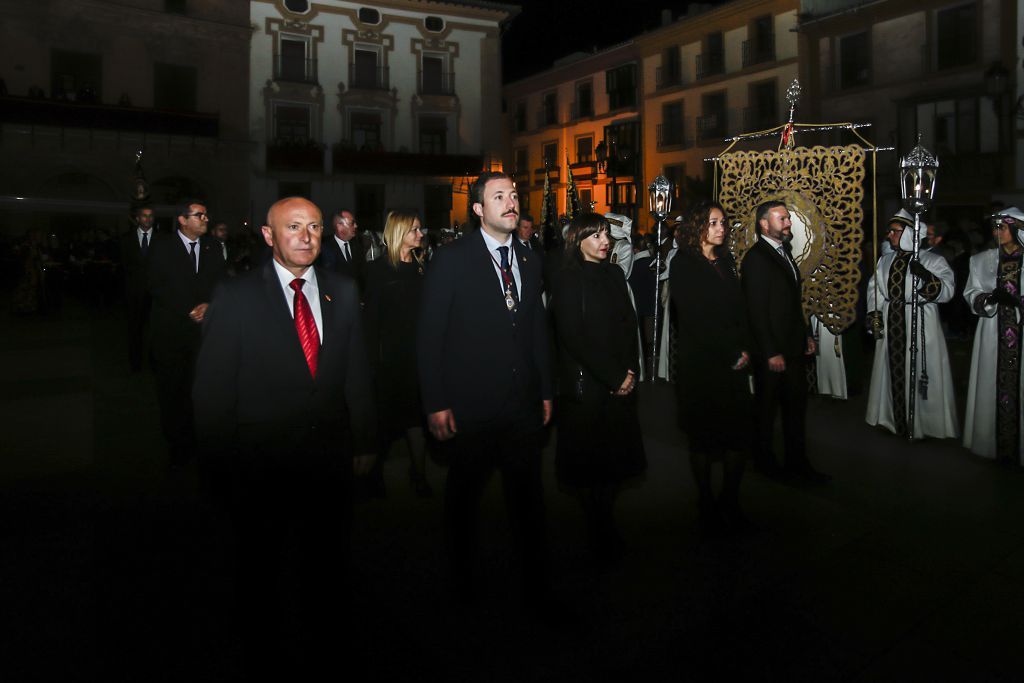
(758, 119)
(349, 160)
(758, 52)
(711, 127)
(295, 69)
(554, 172)
(710, 64)
(41, 112)
(547, 117)
(368, 78)
(577, 112)
(436, 83)
(671, 135)
(668, 77)
(295, 155)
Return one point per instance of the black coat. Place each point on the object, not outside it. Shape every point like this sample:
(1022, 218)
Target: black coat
(135, 265)
(774, 306)
(473, 359)
(176, 289)
(712, 332)
(253, 393)
(599, 439)
(331, 259)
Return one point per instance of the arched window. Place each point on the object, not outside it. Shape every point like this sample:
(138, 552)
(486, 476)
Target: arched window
(368, 15)
(435, 24)
(297, 6)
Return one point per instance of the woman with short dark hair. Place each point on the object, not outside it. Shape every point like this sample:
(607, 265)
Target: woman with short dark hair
(712, 384)
(599, 440)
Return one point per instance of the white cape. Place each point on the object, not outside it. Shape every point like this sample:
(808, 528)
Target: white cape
(831, 371)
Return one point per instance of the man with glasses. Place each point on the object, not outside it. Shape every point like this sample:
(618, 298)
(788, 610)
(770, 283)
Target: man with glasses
(992, 425)
(183, 270)
(890, 293)
(342, 252)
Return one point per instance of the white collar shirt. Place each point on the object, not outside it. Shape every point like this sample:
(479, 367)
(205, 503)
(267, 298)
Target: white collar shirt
(492, 249)
(346, 248)
(311, 290)
(188, 246)
(139, 232)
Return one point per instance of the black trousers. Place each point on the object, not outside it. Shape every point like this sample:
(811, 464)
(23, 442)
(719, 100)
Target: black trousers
(517, 456)
(785, 391)
(175, 369)
(138, 319)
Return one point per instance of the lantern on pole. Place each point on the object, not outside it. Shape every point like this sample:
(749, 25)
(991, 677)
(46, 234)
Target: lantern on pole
(918, 172)
(659, 195)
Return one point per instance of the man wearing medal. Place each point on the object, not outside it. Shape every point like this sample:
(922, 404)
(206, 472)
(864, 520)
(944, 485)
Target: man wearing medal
(486, 382)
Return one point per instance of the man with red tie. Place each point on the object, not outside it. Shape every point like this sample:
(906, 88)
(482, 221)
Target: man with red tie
(284, 411)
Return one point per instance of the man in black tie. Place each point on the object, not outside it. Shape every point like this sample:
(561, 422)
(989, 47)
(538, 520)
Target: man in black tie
(183, 269)
(782, 340)
(341, 252)
(135, 247)
(284, 406)
(527, 234)
(486, 382)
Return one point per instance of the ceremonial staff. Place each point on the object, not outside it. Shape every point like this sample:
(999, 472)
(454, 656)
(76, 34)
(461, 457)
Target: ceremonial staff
(917, 177)
(660, 197)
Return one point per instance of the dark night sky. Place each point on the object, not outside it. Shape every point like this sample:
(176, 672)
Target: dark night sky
(549, 29)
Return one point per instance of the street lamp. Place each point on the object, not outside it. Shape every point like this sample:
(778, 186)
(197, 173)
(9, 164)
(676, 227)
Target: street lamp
(659, 195)
(918, 171)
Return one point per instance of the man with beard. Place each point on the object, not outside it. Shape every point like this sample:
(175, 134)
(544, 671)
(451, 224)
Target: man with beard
(772, 288)
(889, 296)
(485, 380)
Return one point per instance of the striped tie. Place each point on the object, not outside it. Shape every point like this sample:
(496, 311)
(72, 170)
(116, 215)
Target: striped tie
(305, 325)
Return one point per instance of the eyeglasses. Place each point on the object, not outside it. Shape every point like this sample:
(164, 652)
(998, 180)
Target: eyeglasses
(201, 215)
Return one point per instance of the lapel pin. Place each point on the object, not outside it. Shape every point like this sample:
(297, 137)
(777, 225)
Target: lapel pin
(327, 297)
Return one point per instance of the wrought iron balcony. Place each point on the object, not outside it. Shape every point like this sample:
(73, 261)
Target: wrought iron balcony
(349, 160)
(547, 117)
(295, 69)
(295, 155)
(668, 76)
(711, 127)
(579, 110)
(435, 83)
(759, 51)
(671, 134)
(757, 119)
(41, 112)
(710, 64)
(368, 78)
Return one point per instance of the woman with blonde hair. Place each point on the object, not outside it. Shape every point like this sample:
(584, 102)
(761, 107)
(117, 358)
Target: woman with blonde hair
(393, 287)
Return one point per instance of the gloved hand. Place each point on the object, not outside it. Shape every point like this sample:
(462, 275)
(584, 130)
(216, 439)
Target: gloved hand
(919, 270)
(1002, 297)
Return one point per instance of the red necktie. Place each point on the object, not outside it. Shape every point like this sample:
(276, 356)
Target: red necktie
(305, 325)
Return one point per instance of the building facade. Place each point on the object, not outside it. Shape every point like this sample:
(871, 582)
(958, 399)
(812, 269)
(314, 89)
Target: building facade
(711, 75)
(374, 106)
(89, 83)
(582, 115)
(948, 71)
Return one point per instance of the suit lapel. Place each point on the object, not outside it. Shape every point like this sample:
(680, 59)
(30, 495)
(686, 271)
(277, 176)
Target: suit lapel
(485, 260)
(782, 262)
(327, 310)
(282, 321)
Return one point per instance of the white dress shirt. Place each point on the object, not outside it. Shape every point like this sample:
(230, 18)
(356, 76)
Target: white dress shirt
(776, 245)
(139, 232)
(311, 290)
(346, 249)
(492, 248)
(188, 244)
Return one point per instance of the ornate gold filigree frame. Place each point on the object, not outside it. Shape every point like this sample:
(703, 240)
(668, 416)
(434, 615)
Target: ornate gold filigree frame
(823, 187)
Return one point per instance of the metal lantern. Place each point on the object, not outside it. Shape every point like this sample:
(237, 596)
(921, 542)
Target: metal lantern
(660, 196)
(917, 179)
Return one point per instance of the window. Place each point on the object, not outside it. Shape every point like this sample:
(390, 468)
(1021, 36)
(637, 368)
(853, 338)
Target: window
(174, 87)
(364, 73)
(434, 80)
(366, 130)
(368, 15)
(433, 134)
(584, 100)
(549, 109)
(676, 174)
(713, 123)
(854, 60)
(711, 62)
(297, 6)
(760, 46)
(627, 148)
(370, 206)
(670, 72)
(549, 154)
(520, 117)
(292, 63)
(670, 132)
(762, 112)
(437, 206)
(964, 126)
(176, 6)
(76, 76)
(291, 124)
(434, 24)
(521, 165)
(956, 29)
(586, 196)
(620, 83)
(585, 149)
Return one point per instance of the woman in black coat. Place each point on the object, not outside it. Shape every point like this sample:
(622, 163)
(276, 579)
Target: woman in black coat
(393, 286)
(712, 384)
(599, 440)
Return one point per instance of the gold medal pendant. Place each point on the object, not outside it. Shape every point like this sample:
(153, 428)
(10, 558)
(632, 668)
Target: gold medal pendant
(510, 303)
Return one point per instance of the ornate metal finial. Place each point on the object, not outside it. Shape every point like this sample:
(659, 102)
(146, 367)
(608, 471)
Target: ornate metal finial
(140, 188)
(793, 94)
(919, 157)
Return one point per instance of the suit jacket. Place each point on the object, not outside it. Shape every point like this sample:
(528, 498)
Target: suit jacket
(473, 358)
(331, 259)
(774, 304)
(253, 393)
(176, 289)
(135, 265)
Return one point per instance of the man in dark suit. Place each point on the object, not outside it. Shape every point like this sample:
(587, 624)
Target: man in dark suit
(771, 285)
(284, 412)
(183, 269)
(135, 248)
(485, 379)
(342, 251)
